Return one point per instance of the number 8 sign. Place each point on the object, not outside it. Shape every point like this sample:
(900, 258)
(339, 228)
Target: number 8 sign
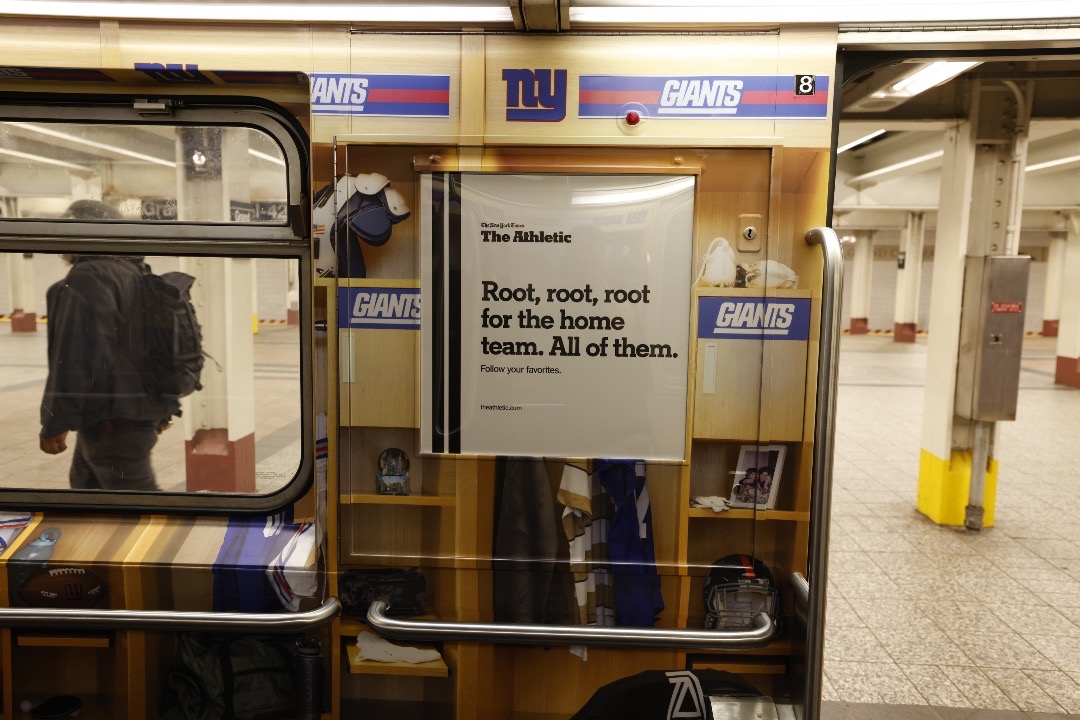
(805, 84)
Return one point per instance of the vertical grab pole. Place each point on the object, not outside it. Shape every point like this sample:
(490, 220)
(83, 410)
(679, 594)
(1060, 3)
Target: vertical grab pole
(821, 482)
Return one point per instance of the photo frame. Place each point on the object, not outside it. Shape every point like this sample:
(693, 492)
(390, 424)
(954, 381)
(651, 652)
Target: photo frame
(757, 476)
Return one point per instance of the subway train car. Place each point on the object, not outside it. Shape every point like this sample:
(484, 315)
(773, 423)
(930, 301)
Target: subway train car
(437, 361)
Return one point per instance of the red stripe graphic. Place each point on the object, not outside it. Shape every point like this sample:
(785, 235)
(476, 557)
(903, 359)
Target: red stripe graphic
(775, 97)
(618, 97)
(416, 96)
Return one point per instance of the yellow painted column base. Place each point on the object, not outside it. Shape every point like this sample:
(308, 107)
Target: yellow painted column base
(944, 486)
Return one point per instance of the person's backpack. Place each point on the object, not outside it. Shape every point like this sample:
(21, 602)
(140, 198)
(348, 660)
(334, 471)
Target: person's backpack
(230, 677)
(174, 358)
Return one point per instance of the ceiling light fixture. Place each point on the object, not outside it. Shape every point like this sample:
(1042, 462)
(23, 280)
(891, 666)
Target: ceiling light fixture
(1049, 164)
(925, 77)
(416, 13)
(861, 141)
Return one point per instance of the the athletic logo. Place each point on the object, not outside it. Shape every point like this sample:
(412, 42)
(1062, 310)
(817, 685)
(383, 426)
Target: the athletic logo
(687, 699)
(535, 95)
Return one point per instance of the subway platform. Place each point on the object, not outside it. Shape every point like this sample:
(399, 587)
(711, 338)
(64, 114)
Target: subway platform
(932, 622)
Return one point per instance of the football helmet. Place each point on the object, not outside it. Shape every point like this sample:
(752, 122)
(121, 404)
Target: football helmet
(737, 588)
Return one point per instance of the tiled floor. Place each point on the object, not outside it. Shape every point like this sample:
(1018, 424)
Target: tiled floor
(277, 425)
(930, 618)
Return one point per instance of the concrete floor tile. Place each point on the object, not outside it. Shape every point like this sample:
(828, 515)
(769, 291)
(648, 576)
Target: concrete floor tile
(1004, 649)
(980, 690)
(917, 646)
(935, 685)
(1063, 652)
(1036, 620)
(1064, 689)
(840, 613)
(847, 562)
(853, 644)
(851, 682)
(1025, 693)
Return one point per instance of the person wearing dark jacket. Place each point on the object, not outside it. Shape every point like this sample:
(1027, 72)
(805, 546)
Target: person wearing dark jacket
(95, 385)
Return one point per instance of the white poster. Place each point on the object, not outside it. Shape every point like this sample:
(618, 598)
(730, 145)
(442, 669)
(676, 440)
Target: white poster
(555, 314)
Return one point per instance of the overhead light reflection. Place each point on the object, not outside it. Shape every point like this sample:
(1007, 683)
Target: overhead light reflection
(864, 139)
(50, 132)
(45, 160)
(633, 195)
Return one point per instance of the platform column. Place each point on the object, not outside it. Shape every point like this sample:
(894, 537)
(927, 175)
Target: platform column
(861, 282)
(981, 193)
(21, 277)
(908, 279)
(219, 420)
(1067, 371)
(1055, 273)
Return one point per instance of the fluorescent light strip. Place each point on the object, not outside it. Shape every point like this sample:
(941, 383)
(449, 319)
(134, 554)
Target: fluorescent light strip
(843, 12)
(860, 141)
(272, 12)
(1053, 163)
(267, 158)
(927, 77)
(41, 130)
(45, 160)
(890, 169)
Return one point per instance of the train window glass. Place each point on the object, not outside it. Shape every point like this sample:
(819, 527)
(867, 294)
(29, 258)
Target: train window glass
(150, 172)
(83, 370)
(113, 398)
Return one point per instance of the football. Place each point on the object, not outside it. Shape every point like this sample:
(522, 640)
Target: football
(63, 587)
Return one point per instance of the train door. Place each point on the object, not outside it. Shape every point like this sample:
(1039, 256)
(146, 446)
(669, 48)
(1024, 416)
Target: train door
(582, 315)
(177, 491)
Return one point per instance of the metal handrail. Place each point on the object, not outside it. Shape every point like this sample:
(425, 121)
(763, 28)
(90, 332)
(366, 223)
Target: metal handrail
(525, 634)
(821, 480)
(53, 619)
(800, 589)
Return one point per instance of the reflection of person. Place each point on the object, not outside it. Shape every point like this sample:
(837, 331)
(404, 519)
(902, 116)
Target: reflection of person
(95, 386)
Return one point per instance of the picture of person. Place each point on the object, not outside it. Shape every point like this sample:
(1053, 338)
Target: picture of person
(757, 476)
(746, 490)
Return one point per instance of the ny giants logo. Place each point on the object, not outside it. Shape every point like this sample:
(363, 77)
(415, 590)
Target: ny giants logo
(174, 73)
(535, 95)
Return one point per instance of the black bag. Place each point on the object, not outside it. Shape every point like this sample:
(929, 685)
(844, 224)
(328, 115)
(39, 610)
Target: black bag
(403, 590)
(231, 677)
(173, 363)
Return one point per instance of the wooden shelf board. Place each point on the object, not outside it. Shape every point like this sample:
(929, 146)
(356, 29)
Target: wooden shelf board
(435, 668)
(748, 514)
(351, 626)
(86, 641)
(415, 500)
(94, 707)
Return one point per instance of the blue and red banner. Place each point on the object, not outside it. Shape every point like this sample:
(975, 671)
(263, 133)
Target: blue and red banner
(387, 95)
(700, 96)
